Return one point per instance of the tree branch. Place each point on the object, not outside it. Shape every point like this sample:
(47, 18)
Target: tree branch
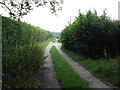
(5, 6)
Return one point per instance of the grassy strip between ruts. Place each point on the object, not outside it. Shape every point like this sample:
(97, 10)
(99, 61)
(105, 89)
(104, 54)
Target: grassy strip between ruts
(107, 70)
(65, 74)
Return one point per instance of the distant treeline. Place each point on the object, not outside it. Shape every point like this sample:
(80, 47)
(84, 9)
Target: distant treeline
(93, 36)
(22, 53)
(56, 34)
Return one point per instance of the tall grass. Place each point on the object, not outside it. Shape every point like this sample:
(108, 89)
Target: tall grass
(22, 66)
(22, 53)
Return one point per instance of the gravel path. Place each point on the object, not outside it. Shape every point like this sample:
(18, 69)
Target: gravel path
(93, 81)
(49, 79)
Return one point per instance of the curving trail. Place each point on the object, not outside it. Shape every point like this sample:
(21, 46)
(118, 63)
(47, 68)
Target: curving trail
(93, 81)
(49, 78)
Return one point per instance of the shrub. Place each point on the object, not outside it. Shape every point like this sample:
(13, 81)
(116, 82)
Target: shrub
(93, 36)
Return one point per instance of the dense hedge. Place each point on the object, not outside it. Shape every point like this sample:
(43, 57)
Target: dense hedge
(22, 53)
(16, 34)
(19, 33)
(93, 36)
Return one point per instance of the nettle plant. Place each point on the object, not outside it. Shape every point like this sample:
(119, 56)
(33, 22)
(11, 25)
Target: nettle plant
(18, 8)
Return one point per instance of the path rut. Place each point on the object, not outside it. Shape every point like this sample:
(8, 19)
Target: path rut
(93, 81)
(49, 78)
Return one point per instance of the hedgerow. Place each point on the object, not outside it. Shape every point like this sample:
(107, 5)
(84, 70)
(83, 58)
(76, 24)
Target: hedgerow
(22, 53)
(93, 36)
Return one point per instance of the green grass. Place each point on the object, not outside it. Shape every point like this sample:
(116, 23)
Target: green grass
(107, 70)
(23, 65)
(67, 77)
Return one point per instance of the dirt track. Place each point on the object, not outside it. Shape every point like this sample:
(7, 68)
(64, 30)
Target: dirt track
(49, 79)
(93, 81)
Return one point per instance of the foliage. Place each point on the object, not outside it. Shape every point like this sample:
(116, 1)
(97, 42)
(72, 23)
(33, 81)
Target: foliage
(21, 66)
(93, 36)
(22, 53)
(107, 70)
(19, 33)
(67, 77)
(18, 8)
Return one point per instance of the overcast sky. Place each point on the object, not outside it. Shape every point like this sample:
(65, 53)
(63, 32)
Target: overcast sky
(43, 18)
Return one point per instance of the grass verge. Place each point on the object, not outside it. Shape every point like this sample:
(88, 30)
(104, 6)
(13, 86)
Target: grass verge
(107, 70)
(66, 76)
